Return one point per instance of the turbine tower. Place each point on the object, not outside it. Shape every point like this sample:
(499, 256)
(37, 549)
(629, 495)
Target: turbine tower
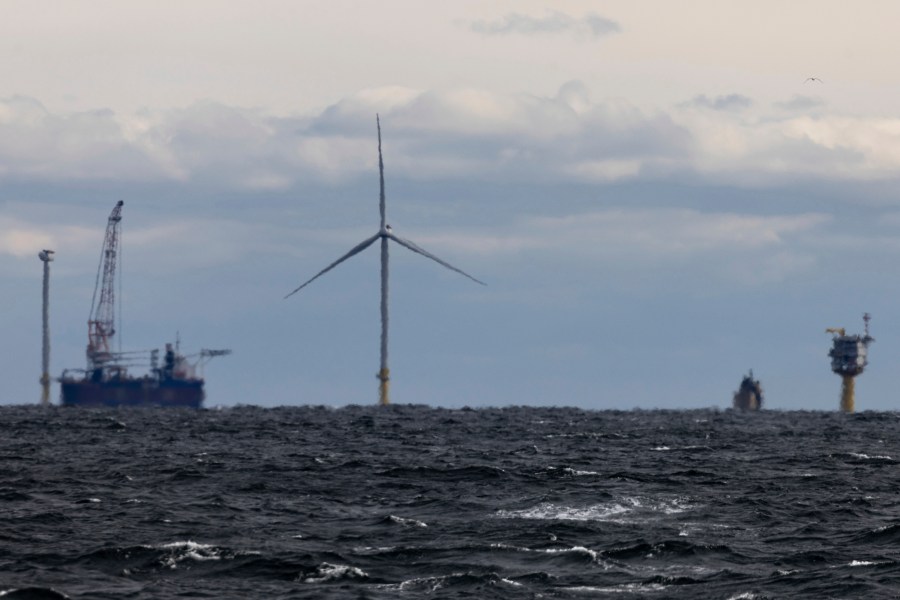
(46, 256)
(384, 234)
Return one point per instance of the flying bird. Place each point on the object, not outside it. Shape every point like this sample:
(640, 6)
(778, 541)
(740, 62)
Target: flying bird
(813, 79)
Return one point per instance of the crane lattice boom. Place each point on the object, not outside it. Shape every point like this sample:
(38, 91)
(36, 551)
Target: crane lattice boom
(101, 325)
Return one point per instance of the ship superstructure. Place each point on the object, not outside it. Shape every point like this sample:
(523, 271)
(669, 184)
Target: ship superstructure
(105, 381)
(749, 395)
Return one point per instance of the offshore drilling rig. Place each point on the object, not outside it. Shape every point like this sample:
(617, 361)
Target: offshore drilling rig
(849, 357)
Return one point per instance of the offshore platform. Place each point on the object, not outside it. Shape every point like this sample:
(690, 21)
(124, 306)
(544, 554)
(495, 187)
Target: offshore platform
(849, 357)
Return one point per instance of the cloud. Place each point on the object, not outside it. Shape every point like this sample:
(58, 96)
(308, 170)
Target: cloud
(661, 233)
(771, 148)
(591, 25)
(19, 241)
(449, 134)
(800, 103)
(35, 143)
(729, 102)
(485, 134)
(23, 239)
(154, 243)
(733, 248)
(657, 233)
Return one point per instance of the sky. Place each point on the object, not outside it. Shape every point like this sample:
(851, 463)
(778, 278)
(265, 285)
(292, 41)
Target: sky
(660, 196)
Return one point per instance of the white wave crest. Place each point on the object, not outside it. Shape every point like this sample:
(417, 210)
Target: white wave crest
(867, 457)
(572, 472)
(329, 572)
(550, 511)
(627, 588)
(407, 522)
(610, 511)
(868, 563)
(177, 552)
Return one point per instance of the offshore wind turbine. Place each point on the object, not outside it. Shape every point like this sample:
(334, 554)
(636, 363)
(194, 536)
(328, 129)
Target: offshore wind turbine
(384, 234)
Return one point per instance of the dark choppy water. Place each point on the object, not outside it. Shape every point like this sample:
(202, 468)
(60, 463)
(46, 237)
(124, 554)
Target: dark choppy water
(413, 502)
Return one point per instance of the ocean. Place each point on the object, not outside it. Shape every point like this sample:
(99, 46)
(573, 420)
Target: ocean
(410, 501)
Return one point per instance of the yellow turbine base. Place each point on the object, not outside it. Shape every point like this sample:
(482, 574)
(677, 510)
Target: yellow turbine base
(847, 396)
(384, 378)
(45, 389)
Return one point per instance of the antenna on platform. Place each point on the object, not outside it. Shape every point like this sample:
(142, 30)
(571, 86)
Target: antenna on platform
(384, 234)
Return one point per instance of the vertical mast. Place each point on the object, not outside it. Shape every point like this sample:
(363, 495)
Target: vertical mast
(101, 325)
(381, 200)
(384, 373)
(46, 256)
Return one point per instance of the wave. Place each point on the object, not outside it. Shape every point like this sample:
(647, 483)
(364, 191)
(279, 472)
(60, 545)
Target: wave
(32, 593)
(670, 549)
(329, 573)
(631, 506)
(469, 473)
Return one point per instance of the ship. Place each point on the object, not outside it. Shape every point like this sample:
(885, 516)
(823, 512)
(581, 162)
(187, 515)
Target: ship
(749, 395)
(106, 380)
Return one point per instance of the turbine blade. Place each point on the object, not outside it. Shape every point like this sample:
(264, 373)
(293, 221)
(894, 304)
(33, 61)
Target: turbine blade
(423, 252)
(356, 250)
(381, 200)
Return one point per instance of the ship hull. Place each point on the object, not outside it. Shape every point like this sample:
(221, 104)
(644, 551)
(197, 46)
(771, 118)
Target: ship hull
(745, 400)
(133, 392)
(749, 396)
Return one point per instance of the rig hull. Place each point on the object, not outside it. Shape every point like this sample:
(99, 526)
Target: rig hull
(186, 393)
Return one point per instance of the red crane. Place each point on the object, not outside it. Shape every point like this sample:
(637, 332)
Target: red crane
(101, 325)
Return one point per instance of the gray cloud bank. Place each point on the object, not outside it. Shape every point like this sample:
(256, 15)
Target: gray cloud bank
(728, 102)
(465, 133)
(801, 103)
(591, 25)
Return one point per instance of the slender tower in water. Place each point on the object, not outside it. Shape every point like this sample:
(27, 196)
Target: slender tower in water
(849, 357)
(46, 256)
(385, 233)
